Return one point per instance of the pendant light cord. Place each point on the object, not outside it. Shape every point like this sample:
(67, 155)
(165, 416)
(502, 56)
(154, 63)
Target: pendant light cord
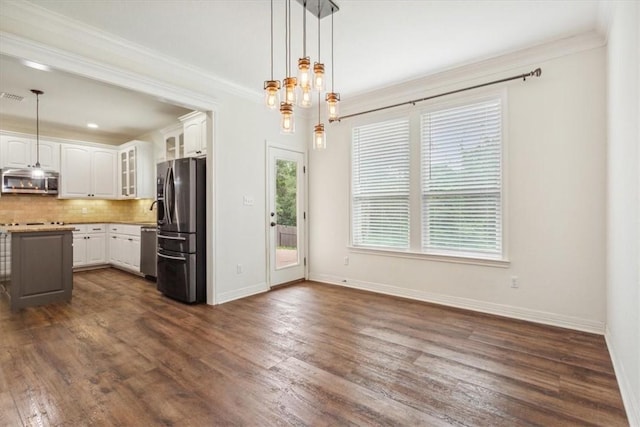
(304, 29)
(286, 37)
(37, 130)
(332, 75)
(271, 39)
(318, 32)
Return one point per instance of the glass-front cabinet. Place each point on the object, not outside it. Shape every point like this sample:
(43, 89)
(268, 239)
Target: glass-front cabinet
(128, 173)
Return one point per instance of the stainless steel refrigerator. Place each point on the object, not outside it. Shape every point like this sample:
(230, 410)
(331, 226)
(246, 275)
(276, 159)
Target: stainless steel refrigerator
(181, 195)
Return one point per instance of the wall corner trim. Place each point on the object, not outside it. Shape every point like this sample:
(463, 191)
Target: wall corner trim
(631, 402)
(246, 291)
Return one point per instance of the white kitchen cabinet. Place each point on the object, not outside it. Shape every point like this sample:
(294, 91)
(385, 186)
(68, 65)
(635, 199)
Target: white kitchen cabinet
(173, 143)
(124, 246)
(22, 152)
(136, 174)
(195, 134)
(89, 245)
(88, 172)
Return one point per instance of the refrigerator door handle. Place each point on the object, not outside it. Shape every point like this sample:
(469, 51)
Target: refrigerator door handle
(179, 258)
(168, 205)
(161, 236)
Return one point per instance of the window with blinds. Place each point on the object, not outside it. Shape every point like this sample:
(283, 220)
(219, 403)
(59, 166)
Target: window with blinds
(462, 180)
(380, 181)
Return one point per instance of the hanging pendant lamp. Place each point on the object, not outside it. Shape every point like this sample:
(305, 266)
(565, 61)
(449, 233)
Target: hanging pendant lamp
(332, 97)
(318, 67)
(272, 87)
(37, 171)
(304, 65)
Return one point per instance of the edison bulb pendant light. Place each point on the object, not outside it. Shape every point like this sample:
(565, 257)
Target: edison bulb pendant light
(333, 99)
(272, 94)
(319, 139)
(318, 76)
(286, 118)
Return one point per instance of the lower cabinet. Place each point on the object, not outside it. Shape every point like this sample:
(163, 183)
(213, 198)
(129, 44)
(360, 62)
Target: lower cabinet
(124, 246)
(89, 245)
(100, 244)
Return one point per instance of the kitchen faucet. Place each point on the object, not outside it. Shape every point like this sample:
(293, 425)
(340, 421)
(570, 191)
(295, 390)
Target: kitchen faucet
(152, 204)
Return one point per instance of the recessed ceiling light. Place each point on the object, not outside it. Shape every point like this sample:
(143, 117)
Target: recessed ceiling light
(92, 125)
(36, 65)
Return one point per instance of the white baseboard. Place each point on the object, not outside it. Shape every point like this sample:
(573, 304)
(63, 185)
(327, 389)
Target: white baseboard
(241, 293)
(536, 316)
(631, 402)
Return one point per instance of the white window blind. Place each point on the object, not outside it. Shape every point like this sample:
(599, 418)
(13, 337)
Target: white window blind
(462, 180)
(380, 185)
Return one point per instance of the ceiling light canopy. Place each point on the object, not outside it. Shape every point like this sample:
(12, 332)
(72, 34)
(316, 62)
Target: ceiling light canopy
(298, 90)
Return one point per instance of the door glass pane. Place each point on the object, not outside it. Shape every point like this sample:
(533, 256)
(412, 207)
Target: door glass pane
(286, 213)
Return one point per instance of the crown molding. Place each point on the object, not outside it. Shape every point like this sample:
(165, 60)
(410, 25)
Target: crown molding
(515, 62)
(35, 27)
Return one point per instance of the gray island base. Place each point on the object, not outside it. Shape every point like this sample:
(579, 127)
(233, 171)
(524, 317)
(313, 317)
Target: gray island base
(41, 262)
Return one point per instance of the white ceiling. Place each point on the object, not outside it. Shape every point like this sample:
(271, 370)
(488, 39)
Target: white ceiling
(377, 42)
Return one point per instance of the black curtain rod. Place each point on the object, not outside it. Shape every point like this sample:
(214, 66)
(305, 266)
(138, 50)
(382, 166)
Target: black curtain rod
(535, 73)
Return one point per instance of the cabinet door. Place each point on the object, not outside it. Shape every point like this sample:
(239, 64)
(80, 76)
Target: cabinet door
(134, 253)
(104, 178)
(194, 132)
(123, 167)
(79, 250)
(75, 171)
(96, 248)
(49, 155)
(115, 250)
(15, 152)
(132, 171)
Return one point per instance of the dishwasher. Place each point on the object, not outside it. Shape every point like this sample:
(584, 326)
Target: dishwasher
(148, 252)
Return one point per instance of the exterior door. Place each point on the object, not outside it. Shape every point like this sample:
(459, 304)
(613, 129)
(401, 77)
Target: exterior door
(286, 216)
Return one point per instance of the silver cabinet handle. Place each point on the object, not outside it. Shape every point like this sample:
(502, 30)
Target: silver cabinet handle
(161, 236)
(172, 257)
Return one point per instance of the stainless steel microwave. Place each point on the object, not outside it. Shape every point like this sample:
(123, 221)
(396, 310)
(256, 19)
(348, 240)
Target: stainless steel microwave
(25, 181)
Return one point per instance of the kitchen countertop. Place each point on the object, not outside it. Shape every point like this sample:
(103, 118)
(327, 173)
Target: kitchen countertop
(35, 228)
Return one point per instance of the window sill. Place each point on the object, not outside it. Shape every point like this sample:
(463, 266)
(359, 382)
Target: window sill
(457, 259)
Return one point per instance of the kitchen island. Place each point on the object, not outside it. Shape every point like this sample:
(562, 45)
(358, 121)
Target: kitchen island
(37, 263)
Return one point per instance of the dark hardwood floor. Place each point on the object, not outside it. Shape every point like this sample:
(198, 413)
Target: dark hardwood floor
(307, 354)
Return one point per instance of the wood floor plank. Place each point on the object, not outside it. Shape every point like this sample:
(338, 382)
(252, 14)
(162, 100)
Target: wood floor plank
(307, 354)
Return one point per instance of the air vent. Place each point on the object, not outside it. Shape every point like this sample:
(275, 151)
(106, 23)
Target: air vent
(11, 96)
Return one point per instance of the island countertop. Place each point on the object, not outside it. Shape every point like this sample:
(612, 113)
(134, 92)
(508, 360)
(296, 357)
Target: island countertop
(35, 228)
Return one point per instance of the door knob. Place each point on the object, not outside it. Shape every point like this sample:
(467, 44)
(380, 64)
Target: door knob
(273, 224)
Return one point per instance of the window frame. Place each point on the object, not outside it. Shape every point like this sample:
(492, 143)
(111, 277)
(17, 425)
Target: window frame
(416, 215)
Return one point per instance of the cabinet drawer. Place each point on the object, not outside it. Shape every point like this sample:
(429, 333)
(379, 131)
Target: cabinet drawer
(96, 228)
(128, 229)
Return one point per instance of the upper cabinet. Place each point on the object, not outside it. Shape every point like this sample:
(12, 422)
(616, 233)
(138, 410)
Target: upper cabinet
(173, 143)
(195, 134)
(22, 152)
(88, 172)
(136, 171)
(189, 139)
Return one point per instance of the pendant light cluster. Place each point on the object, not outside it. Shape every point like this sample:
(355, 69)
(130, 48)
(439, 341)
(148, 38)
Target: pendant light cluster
(298, 90)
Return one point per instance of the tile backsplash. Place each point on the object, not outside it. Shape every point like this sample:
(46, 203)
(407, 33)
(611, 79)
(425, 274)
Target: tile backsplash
(34, 208)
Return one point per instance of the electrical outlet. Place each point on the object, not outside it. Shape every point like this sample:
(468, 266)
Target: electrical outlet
(84, 210)
(515, 283)
(346, 260)
(238, 268)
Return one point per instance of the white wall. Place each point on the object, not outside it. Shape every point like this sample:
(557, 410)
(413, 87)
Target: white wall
(623, 213)
(555, 193)
(242, 131)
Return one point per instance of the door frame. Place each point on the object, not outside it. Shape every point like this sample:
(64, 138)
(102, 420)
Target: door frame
(305, 207)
